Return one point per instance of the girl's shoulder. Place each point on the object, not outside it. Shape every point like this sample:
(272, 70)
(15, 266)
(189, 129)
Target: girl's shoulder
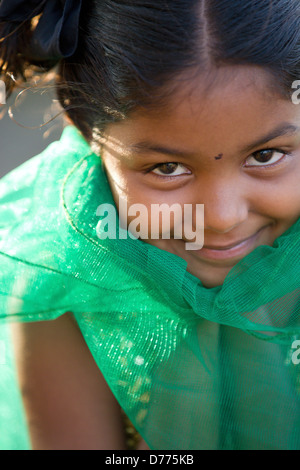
(36, 236)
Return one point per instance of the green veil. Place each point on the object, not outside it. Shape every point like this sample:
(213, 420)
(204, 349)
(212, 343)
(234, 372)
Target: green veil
(193, 368)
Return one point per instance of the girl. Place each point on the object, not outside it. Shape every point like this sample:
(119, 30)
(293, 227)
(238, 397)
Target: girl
(185, 103)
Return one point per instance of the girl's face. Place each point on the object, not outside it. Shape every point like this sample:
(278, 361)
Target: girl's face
(234, 147)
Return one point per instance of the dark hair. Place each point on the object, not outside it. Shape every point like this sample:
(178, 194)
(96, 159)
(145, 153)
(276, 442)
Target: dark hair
(130, 52)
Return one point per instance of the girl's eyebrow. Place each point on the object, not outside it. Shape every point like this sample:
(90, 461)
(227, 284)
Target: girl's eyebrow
(147, 146)
(283, 129)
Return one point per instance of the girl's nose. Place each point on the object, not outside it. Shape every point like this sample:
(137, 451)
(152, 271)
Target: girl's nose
(225, 207)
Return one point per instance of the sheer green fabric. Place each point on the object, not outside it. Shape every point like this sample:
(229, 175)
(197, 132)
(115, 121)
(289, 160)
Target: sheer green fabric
(193, 368)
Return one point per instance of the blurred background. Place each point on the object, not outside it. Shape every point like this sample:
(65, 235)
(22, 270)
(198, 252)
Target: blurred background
(32, 107)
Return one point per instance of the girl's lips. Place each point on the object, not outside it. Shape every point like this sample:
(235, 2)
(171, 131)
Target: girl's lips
(242, 249)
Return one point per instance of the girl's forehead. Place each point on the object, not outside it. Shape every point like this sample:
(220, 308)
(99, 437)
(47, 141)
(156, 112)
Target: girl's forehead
(237, 106)
(196, 86)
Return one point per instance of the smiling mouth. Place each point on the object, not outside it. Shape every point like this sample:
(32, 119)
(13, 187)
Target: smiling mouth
(238, 249)
(227, 247)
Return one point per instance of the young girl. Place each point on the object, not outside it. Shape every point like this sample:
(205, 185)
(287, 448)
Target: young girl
(175, 102)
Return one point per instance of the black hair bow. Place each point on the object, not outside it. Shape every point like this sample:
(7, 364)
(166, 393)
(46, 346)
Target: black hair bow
(56, 35)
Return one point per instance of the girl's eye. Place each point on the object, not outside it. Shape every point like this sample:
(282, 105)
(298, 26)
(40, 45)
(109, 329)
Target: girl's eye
(263, 157)
(169, 169)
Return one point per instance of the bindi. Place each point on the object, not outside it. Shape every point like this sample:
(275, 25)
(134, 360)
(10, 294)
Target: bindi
(219, 156)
